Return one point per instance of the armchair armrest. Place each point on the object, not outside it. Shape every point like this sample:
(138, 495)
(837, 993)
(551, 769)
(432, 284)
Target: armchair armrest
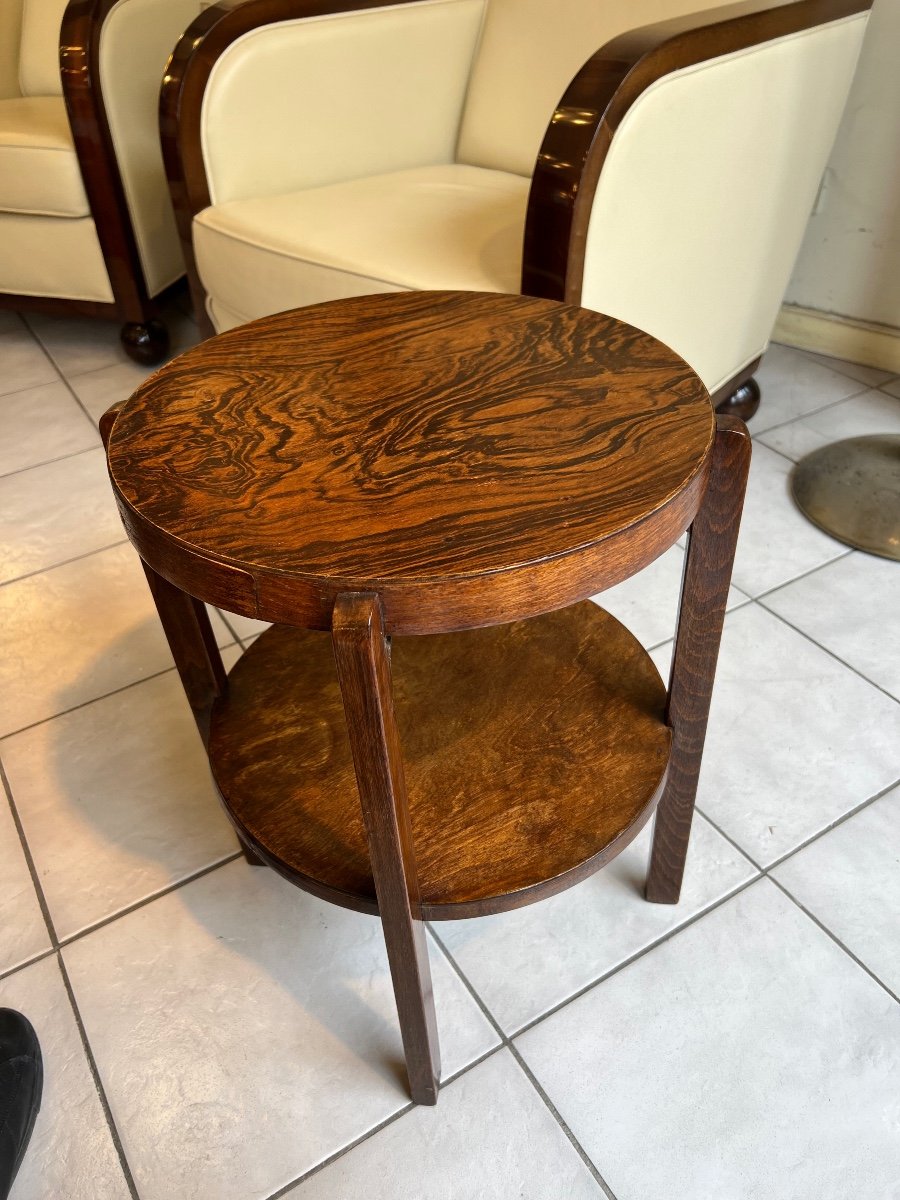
(684, 128)
(112, 55)
(136, 40)
(372, 83)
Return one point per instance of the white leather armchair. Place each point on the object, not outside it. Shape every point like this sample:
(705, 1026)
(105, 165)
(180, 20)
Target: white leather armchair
(326, 148)
(85, 219)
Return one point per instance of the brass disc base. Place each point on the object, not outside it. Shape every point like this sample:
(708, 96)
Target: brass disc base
(851, 489)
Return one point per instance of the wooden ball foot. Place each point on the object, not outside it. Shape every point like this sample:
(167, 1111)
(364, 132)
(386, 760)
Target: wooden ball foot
(743, 401)
(146, 343)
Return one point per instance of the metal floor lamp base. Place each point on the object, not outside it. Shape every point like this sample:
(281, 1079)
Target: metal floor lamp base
(851, 489)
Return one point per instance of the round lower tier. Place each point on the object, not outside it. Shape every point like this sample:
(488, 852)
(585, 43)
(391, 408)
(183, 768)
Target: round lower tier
(534, 752)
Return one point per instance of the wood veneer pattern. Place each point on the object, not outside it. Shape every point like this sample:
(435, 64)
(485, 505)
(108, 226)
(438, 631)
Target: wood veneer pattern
(533, 751)
(370, 444)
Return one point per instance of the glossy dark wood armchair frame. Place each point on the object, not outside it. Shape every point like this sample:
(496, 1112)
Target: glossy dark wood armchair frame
(574, 148)
(144, 336)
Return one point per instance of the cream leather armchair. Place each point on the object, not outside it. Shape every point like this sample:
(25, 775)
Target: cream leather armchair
(325, 148)
(85, 219)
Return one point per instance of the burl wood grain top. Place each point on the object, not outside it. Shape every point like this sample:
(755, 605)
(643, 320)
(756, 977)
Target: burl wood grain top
(472, 458)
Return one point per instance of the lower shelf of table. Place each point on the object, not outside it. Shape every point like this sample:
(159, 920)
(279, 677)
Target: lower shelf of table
(534, 752)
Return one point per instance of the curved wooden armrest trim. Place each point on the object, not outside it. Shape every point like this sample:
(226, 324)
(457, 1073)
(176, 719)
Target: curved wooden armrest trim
(598, 98)
(181, 98)
(79, 60)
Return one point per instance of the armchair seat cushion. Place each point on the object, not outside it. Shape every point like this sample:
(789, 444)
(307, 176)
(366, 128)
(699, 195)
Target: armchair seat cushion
(39, 173)
(446, 226)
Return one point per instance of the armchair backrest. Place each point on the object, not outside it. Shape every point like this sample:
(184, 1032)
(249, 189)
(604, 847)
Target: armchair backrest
(10, 44)
(39, 50)
(407, 58)
(529, 52)
(708, 182)
(29, 47)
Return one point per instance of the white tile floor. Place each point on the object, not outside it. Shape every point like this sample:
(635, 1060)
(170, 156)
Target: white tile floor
(211, 1032)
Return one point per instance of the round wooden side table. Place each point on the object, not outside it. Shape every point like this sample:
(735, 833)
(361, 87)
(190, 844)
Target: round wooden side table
(467, 468)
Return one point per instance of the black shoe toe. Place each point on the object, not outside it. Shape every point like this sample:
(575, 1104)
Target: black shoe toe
(21, 1083)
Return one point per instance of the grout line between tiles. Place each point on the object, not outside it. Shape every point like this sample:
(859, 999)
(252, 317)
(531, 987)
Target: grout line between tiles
(872, 387)
(46, 462)
(813, 412)
(326, 1162)
(830, 653)
(659, 645)
(772, 450)
(745, 596)
(836, 364)
(535, 1083)
(242, 640)
(820, 833)
(632, 958)
(50, 461)
(58, 366)
(766, 874)
(31, 386)
(55, 952)
(29, 962)
(149, 899)
(223, 616)
(407, 1108)
(728, 838)
(62, 563)
(742, 603)
(118, 360)
(84, 703)
(837, 941)
(65, 563)
(506, 1043)
(42, 900)
(803, 575)
(40, 344)
(29, 860)
(485, 1011)
(470, 1066)
(93, 420)
(828, 828)
(58, 943)
(669, 640)
(93, 700)
(98, 1084)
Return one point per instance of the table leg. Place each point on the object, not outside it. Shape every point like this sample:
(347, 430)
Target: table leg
(188, 631)
(186, 625)
(364, 672)
(711, 545)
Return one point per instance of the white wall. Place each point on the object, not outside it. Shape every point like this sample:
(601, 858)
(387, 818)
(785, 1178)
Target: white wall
(849, 266)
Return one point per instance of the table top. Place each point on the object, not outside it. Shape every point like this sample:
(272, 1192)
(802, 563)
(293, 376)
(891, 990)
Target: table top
(473, 458)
